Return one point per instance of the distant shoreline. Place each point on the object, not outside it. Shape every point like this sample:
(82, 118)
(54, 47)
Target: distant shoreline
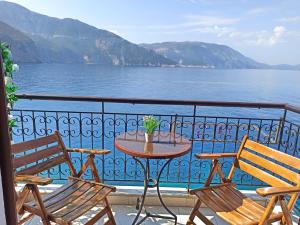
(157, 66)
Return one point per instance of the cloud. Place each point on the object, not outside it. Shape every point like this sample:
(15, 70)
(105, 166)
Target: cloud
(217, 30)
(224, 28)
(258, 11)
(293, 33)
(294, 19)
(260, 38)
(278, 33)
(266, 38)
(191, 23)
(200, 20)
(193, 1)
(198, 1)
(115, 32)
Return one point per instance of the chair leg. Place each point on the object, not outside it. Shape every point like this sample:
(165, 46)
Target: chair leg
(286, 219)
(25, 219)
(106, 210)
(108, 222)
(268, 210)
(38, 199)
(193, 213)
(21, 198)
(109, 212)
(214, 169)
(203, 218)
(97, 217)
(189, 222)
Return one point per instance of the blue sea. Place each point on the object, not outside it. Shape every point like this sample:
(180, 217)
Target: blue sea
(277, 86)
(163, 83)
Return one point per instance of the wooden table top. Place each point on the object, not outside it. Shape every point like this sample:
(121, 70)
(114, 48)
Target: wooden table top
(165, 145)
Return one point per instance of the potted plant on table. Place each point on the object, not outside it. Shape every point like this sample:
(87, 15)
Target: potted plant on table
(150, 124)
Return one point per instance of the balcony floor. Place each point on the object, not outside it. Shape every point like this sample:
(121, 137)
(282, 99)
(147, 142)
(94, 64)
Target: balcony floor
(124, 215)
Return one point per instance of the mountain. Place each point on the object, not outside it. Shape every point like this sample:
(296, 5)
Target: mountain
(22, 46)
(38, 38)
(26, 50)
(206, 55)
(72, 41)
(285, 67)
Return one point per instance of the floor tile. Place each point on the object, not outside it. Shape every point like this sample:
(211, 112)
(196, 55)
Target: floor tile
(125, 214)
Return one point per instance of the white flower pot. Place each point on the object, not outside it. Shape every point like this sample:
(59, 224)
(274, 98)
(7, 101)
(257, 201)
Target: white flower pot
(148, 137)
(148, 147)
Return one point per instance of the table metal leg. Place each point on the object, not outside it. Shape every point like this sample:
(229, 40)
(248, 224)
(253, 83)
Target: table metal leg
(147, 184)
(146, 176)
(158, 192)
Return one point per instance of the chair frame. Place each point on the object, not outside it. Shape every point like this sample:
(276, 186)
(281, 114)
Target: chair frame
(32, 181)
(277, 194)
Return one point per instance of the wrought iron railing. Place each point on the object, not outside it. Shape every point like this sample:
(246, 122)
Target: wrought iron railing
(211, 126)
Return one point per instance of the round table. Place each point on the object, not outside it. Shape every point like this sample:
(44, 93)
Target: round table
(165, 145)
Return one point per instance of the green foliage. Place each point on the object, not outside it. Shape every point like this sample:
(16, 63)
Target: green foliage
(9, 67)
(12, 123)
(150, 124)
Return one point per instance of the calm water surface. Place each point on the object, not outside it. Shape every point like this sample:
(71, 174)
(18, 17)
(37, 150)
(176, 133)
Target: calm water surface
(165, 83)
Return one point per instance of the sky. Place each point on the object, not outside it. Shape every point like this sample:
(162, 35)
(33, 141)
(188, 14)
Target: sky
(265, 30)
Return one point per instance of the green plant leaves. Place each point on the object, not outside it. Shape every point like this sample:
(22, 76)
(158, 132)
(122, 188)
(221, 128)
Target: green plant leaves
(9, 67)
(150, 124)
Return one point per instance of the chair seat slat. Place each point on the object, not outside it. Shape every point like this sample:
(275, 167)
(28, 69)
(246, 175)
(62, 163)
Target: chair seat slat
(230, 213)
(99, 196)
(82, 200)
(66, 198)
(232, 206)
(237, 203)
(258, 209)
(63, 188)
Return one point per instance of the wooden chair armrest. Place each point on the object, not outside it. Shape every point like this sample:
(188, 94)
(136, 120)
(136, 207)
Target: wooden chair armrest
(89, 151)
(30, 179)
(267, 191)
(215, 155)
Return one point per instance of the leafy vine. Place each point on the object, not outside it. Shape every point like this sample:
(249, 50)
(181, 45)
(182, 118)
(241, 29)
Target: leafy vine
(9, 68)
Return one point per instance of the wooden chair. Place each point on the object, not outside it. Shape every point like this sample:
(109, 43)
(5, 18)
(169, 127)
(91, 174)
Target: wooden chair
(234, 207)
(71, 200)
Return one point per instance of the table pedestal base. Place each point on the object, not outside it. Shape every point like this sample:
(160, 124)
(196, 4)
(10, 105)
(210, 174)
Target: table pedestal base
(151, 183)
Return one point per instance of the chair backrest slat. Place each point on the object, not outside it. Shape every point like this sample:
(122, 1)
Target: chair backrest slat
(271, 166)
(36, 156)
(32, 144)
(262, 175)
(273, 154)
(42, 166)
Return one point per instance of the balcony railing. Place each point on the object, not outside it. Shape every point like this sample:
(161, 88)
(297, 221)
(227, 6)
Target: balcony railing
(94, 122)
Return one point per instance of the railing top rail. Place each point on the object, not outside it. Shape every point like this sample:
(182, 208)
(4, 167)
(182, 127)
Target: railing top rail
(292, 108)
(162, 101)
